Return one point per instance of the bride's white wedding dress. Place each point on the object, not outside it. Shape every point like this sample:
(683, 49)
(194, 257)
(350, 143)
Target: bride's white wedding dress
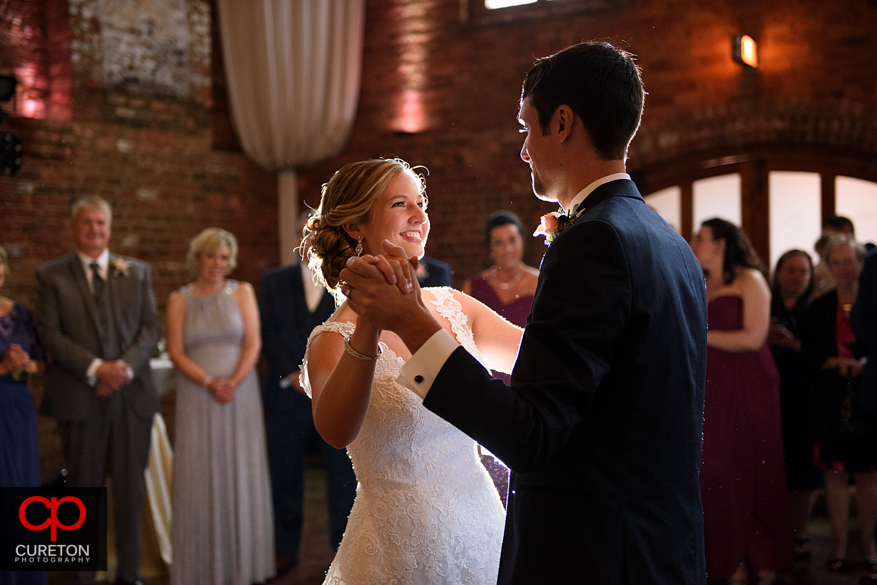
(426, 511)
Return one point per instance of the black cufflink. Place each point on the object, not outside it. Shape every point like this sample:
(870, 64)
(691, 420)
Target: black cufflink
(418, 379)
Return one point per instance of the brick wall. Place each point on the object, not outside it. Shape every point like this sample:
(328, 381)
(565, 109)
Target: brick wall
(137, 135)
(129, 105)
(815, 87)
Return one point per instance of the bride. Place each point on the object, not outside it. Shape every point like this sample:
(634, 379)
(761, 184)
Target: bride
(426, 510)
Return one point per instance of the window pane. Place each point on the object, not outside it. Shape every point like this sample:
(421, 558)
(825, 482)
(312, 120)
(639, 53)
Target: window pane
(716, 197)
(491, 4)
(857, 200)
(795, 213)
(668, 204)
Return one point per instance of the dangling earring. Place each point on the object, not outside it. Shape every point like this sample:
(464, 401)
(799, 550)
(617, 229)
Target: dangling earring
(358, 249)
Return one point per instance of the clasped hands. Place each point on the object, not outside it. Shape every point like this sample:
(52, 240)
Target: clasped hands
(378, 288)
(846, 366)
(111, 376)
(222, 389)
(17, 360)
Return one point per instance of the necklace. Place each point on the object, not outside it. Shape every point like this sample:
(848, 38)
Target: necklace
(506, 285)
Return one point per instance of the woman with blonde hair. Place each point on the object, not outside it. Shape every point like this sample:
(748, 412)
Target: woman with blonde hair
(846, 428)
(426, 510)
(223, 528)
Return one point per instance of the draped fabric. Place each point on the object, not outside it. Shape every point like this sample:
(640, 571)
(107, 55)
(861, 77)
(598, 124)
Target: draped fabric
(293, 70)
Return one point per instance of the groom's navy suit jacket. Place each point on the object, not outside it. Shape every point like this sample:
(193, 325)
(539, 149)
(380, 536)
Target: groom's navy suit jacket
(602, 423)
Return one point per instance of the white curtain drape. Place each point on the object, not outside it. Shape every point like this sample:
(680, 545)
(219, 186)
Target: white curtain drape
(293, 70)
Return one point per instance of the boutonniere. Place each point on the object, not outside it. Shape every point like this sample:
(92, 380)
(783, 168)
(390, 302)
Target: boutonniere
(120, 266)
(555, 222)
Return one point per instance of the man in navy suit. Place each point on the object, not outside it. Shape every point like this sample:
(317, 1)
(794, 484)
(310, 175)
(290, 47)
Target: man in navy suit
(602, 423)
(291, 305)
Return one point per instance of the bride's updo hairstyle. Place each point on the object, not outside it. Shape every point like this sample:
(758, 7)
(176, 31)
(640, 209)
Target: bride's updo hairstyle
(348, 197)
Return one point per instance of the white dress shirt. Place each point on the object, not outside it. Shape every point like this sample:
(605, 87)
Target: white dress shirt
(103, 262)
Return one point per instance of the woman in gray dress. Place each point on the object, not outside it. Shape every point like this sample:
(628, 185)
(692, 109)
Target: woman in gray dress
(223, 530)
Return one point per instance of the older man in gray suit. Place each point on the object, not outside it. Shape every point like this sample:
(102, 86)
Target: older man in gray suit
(96, 317)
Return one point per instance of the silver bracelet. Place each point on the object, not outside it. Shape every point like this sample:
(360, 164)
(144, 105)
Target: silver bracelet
(360, 356)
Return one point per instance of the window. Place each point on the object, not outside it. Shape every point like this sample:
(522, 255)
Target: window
(716, 197)
(778, 198)
(794, 204)
(493, 11)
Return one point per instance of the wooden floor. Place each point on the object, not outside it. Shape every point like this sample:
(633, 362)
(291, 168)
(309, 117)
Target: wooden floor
(316, 554)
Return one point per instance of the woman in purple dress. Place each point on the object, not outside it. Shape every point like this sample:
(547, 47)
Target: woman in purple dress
(507, 287)
(19, 440)
(742, 475)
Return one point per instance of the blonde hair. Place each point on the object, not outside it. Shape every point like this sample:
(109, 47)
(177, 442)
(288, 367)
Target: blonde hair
(349, 197)
(91, 202)
(209, 240)
(841, 240)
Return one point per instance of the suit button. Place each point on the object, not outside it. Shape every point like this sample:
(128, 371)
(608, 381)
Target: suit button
(418, 379)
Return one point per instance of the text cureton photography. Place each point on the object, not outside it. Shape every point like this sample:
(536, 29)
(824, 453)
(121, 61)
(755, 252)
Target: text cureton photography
(53, 529)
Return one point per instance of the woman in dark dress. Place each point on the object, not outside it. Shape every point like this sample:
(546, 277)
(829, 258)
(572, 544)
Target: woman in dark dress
(792, 286)
(742, 475)
(507, 287)
(846, 431)
(19, 440)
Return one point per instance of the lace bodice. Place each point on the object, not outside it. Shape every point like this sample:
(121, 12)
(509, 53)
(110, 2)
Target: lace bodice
(426, 510)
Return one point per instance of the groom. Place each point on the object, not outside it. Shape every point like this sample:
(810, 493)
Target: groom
(602, 423)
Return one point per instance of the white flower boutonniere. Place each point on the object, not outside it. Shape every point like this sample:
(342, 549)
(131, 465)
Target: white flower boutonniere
(120, 266)
(555, 222)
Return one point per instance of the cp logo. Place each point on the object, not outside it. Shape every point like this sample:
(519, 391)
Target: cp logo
(52, 506)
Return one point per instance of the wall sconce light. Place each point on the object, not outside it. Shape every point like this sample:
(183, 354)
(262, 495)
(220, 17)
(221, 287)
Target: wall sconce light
(745, 51)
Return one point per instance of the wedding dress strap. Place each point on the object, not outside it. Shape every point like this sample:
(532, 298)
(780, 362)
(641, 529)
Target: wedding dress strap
(451, 309)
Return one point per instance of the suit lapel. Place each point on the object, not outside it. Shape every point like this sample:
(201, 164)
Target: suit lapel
(620, 188)
(85, 292)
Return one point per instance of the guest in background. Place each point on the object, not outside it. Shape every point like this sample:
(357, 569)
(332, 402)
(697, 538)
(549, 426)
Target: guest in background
(832, 226)
(792, 285)
(846, 430)
(864, 318)
(291, 304)
(742, 475)
(97, 321)
(432, 272)
(223, 531)
(19, 439)
(509, 285)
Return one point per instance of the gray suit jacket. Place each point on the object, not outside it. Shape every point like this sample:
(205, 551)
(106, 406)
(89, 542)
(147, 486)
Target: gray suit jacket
(67, 326)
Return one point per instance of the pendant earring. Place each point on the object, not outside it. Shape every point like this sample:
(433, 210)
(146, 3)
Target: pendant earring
(358, 249)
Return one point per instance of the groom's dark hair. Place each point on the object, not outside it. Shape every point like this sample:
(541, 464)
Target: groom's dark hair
(602, 86)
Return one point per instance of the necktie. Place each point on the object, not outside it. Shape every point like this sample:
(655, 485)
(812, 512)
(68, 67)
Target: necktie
(97, 282)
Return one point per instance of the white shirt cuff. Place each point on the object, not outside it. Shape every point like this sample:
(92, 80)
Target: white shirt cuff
(420, 371)
(91, 372)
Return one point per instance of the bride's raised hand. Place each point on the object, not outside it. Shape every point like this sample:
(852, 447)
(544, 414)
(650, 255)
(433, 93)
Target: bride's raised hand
(396, 270)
